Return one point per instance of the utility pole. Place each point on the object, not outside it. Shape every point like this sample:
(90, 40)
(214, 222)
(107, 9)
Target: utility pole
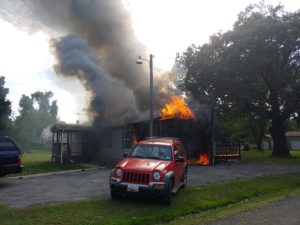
(151, 96)
(150, 61)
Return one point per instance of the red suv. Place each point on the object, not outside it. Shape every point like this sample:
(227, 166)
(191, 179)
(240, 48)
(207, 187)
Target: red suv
(156, 166)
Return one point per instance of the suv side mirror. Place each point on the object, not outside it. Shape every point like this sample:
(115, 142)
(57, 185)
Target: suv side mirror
(125, 155)
(179, 159)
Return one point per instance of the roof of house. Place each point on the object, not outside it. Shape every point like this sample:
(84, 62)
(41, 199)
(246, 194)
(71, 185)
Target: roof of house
(69, 127)
(292, 134)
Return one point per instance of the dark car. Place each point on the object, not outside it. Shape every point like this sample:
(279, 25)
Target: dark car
(10, 157)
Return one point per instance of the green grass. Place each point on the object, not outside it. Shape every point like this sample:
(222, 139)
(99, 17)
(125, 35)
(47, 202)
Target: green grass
(188, 203)
(265, 157)
(37, 161)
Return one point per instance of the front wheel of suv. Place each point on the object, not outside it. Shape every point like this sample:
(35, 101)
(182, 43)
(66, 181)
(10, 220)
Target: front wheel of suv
(115, 195)
(166, 200)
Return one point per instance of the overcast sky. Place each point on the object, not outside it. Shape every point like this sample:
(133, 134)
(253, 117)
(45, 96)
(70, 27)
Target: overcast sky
(163, 26)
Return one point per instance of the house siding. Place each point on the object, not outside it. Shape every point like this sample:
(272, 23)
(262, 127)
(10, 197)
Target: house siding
(292, 142)
(113, 154)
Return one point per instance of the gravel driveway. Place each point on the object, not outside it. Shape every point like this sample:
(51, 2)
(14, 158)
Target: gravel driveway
(81, 185)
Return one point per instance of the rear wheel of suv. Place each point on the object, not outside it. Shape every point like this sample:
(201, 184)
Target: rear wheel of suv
(166, 200)
(185, 177)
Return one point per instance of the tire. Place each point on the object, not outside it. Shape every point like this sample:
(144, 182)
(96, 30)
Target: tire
(185, 178)
(115, 195)
(166, 199)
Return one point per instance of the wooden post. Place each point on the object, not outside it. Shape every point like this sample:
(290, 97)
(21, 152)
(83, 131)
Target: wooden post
(61, 147)
(52, 146)
(68, 147)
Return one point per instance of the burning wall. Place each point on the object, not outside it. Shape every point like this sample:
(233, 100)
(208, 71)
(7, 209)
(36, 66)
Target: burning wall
(178, 120)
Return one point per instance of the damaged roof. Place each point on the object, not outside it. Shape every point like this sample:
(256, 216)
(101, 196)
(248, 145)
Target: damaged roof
(70, 127)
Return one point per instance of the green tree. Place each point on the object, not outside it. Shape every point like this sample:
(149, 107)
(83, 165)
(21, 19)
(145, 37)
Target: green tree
(25, 105)
(46, 113)
(25, 123)
(291, 125)
(235, 130)
(243, 130)
(253, 69)
(258, 128)
(36, 113)
(5, 106)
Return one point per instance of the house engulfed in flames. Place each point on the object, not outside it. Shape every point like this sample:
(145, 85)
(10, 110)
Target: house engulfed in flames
(176, 120)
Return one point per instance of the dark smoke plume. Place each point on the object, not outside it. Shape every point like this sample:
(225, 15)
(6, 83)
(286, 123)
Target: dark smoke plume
(111, 97)
(99, 48)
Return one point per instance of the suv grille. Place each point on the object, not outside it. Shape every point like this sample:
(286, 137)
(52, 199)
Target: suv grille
(134, 177)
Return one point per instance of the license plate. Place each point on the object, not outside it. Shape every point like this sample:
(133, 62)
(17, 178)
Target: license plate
(133, 188)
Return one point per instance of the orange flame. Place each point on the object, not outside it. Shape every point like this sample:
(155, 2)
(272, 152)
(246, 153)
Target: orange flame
(176, 108)
(203, 160)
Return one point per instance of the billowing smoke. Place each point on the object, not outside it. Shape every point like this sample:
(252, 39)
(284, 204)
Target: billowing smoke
(98, 46)
(112, 100)
(46, 135)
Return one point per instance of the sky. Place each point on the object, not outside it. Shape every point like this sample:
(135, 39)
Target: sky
(165, 27)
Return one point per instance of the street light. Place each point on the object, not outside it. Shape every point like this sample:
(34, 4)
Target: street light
(140, 60)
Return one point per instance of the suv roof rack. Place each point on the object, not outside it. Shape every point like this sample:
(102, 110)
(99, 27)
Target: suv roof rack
(162, 138)
(154, 137)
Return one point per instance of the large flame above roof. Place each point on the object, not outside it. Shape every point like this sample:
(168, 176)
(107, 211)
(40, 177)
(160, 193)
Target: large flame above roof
(176, 108)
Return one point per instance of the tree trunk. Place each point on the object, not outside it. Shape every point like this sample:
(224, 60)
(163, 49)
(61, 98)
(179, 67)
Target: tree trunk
(277, 131)
(258, 128)
(259, 143)
(258, 131)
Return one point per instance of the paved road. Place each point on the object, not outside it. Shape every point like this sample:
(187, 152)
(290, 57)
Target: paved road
(284, 212)
(80, 185)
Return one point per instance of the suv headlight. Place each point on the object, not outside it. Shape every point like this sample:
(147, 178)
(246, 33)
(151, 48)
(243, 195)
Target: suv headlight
(156, 176)
(118, 172)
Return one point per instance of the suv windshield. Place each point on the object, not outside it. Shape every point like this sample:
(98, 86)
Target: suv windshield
(145, 151)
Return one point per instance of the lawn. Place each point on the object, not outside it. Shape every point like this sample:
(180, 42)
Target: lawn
(189, 206)
(265, 157)
(39, 161)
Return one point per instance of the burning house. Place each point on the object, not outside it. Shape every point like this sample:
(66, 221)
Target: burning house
(78, 143)
(75, 142)
(178, 120)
